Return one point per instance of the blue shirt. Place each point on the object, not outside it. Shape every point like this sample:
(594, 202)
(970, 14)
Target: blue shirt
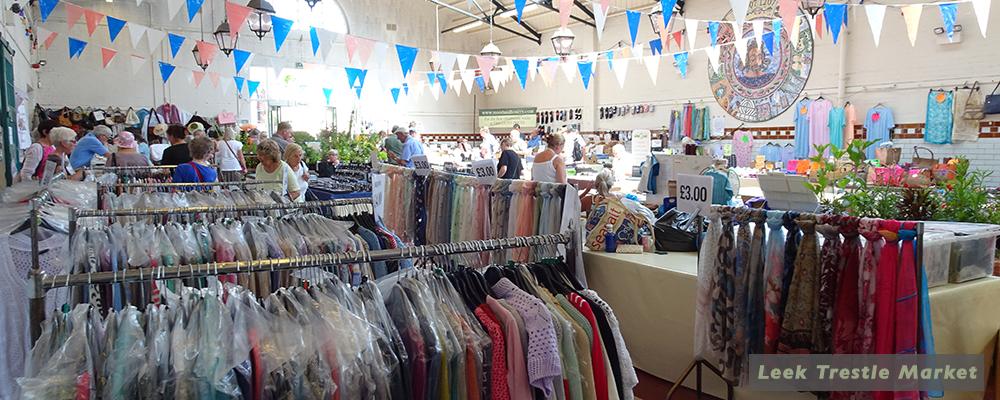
(185, 173)
(86, 148)
(144, 150)
(411, 148)
(535, 142)
(802, 128)
(878, 124)
(937, 128)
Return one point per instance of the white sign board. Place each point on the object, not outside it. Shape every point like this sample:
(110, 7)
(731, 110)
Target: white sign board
(378, 194)
(641, 144)
(694, 193)
(421, 164)
(485, 171)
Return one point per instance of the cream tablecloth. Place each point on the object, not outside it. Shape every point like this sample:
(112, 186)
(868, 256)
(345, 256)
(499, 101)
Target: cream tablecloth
(653, 297)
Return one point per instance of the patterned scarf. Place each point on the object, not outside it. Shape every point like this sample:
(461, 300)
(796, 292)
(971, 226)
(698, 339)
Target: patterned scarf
(736, 348)
(792, 238)
(845, 323)
(755, 285)
(830, 262)
(866, 295)
(797, 327)
(774, 270)
(723, 291)
(706, 281)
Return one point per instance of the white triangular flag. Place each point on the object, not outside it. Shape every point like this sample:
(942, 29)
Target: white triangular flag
(741, 48)
(138, 3)
(155, 38)
(652, 66)
(137, 63)
(982, 8)
(135, 32)
(173, 7)
(876, 15)
(469, 79)
(378, 56)
(620, 67)
(456, 85)
(637, 50)
(713, 56)
(570, 70)
(691, 26)
(911, 14)
(549, 69)
(447, 62)
(600, 18)
(796, 28)
(499, 79)
(463, 61)
(739, 12)
(758, 33)
(532, 68)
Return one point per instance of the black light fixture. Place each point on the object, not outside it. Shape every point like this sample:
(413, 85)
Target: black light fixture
(312, 3)
(562, 42)
(812, 6)
(225, 38)
(260, 20)
(656, 19)
(197, 58)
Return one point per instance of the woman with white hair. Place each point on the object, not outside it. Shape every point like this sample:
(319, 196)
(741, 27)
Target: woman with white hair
(64, 140)
(229, 156)
(490, 146)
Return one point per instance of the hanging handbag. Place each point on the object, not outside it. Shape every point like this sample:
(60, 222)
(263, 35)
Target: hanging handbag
(888, 155)
(923, 162)
(973, 110)
(992, 104)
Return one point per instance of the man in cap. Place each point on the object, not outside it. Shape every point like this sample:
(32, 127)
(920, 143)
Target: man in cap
(393, 147)
(411, 147)
(93, 144)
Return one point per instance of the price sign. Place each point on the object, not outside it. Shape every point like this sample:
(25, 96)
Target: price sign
(694, 193)
(374, 159)
(378, 194)
(485, 171)
(421, 164)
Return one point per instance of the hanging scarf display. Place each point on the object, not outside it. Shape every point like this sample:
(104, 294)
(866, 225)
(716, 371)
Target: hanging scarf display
(869, 266)
(755, 285)
(722, 326)
(830, 264)
(774, 271)
(797, 326)
(845, 325)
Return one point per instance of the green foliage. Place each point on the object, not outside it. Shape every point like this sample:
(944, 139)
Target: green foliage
(964, 198)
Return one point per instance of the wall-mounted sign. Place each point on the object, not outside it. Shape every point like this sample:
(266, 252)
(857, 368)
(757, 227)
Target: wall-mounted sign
(507, 117)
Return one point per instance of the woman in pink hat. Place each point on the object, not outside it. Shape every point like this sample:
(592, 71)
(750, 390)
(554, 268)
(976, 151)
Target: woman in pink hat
(127, 154)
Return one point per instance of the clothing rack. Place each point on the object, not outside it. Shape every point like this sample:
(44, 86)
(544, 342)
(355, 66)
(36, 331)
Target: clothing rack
(185, 184)
(132, 167)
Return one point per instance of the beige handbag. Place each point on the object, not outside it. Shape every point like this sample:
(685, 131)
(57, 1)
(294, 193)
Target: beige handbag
(923, 162)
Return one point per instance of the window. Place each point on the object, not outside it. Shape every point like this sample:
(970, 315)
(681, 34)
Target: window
(326, 15)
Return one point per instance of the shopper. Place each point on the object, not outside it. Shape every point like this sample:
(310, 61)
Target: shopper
(198, 170)
(328, 167)
(127, 154)
(229, 156)
(272, 168)
(576, 145)
(157, 146)
(142, 147)
(283, 136)
(93, 144)
(517, 142)
(393, 146)
(464, 150)
(35, 155)
(178, 152)
(64, 142)
(411, 147)
(510, 165)
(535, 141)
(196, 129)
(294, 156)
(548, 165)
(490, 146)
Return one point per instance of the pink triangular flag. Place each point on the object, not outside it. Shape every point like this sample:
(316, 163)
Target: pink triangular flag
(46, 36)
(677, 38)
(206, 51)
(365, 47)
(549, 68)
(92, 17)
(198, 76)
(73, 14)
(788, 9)
(486, 64)
(605, 5)
(214, 77)
(911, 14)
(665, 38)
(237, 15)
(565, 10)
(137, 63)
(107, 55)
(351, 42)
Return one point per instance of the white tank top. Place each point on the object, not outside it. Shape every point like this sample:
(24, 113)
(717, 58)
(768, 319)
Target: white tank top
(543, 171)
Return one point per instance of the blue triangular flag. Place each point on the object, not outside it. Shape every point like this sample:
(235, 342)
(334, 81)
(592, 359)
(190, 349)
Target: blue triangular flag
(776, 39)
(610, 56)
(115, 26)
(314, 38)
(834, 18)
(362, 73)
(165, 71)
(175, 44)
(281, 28)
(431, 77)
(655, 46)
(193, 7)
(240, 58)
(352, 76)
(252, 87)
(682, 63)
(633, 24)
(481, 83)
(326, 93)
(406, 89)
(586, 71)
(443, 83)
(713, 31)
(395, 95)
(521, 67)
(769, 42)
(407, 55)
(76, 47)
(668, 10)
(47, 6)
(519, 5)
(239, 83)
(948, 16)
(357, 91)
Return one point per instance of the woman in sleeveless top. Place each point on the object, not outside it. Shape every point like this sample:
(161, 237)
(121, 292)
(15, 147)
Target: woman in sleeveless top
(548, 165)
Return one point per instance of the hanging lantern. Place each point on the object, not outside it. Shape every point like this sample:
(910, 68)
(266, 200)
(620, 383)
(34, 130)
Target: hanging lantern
(312, 3)
(656, 19)
(812, 6)
(225, 38)
(197, 58)
(562, 42)
(260, 19)
(491, 50)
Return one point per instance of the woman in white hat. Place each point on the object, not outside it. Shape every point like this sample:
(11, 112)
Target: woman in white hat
(157, 145)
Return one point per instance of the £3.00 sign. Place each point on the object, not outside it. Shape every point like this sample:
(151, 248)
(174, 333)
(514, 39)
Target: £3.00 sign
(421, 164)
(485, 171)
(694, 193)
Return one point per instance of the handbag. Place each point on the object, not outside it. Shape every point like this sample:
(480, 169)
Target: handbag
(972, 110)
(888, 155)
(923, 162)
(677, 231)
(992, 103)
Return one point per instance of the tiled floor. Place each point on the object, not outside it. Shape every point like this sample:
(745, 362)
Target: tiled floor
(653, 388)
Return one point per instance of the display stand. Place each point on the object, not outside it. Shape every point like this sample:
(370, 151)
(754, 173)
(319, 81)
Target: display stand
(698, 391)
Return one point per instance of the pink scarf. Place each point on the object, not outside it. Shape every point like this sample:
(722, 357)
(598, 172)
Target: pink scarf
(885, 293)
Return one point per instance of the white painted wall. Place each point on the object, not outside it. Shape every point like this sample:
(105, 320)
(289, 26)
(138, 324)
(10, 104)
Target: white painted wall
(84, 82)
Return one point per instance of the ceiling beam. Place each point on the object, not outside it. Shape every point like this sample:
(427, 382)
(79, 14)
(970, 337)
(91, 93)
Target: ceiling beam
(548, 5)
(584, 8)
(527, 27)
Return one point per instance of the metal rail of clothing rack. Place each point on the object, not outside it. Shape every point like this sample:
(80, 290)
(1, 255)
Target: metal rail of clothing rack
(103, 187)
(40, 284)
(131, 167)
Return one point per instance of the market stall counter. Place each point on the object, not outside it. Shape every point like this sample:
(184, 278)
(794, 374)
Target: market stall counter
(654, 295)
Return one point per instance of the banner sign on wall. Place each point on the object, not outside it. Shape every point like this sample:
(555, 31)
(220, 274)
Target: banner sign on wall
(507, 117)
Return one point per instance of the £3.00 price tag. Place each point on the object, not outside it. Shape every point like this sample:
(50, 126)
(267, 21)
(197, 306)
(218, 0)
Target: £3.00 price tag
(694, 193)
(485, 171)
(421, 164)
